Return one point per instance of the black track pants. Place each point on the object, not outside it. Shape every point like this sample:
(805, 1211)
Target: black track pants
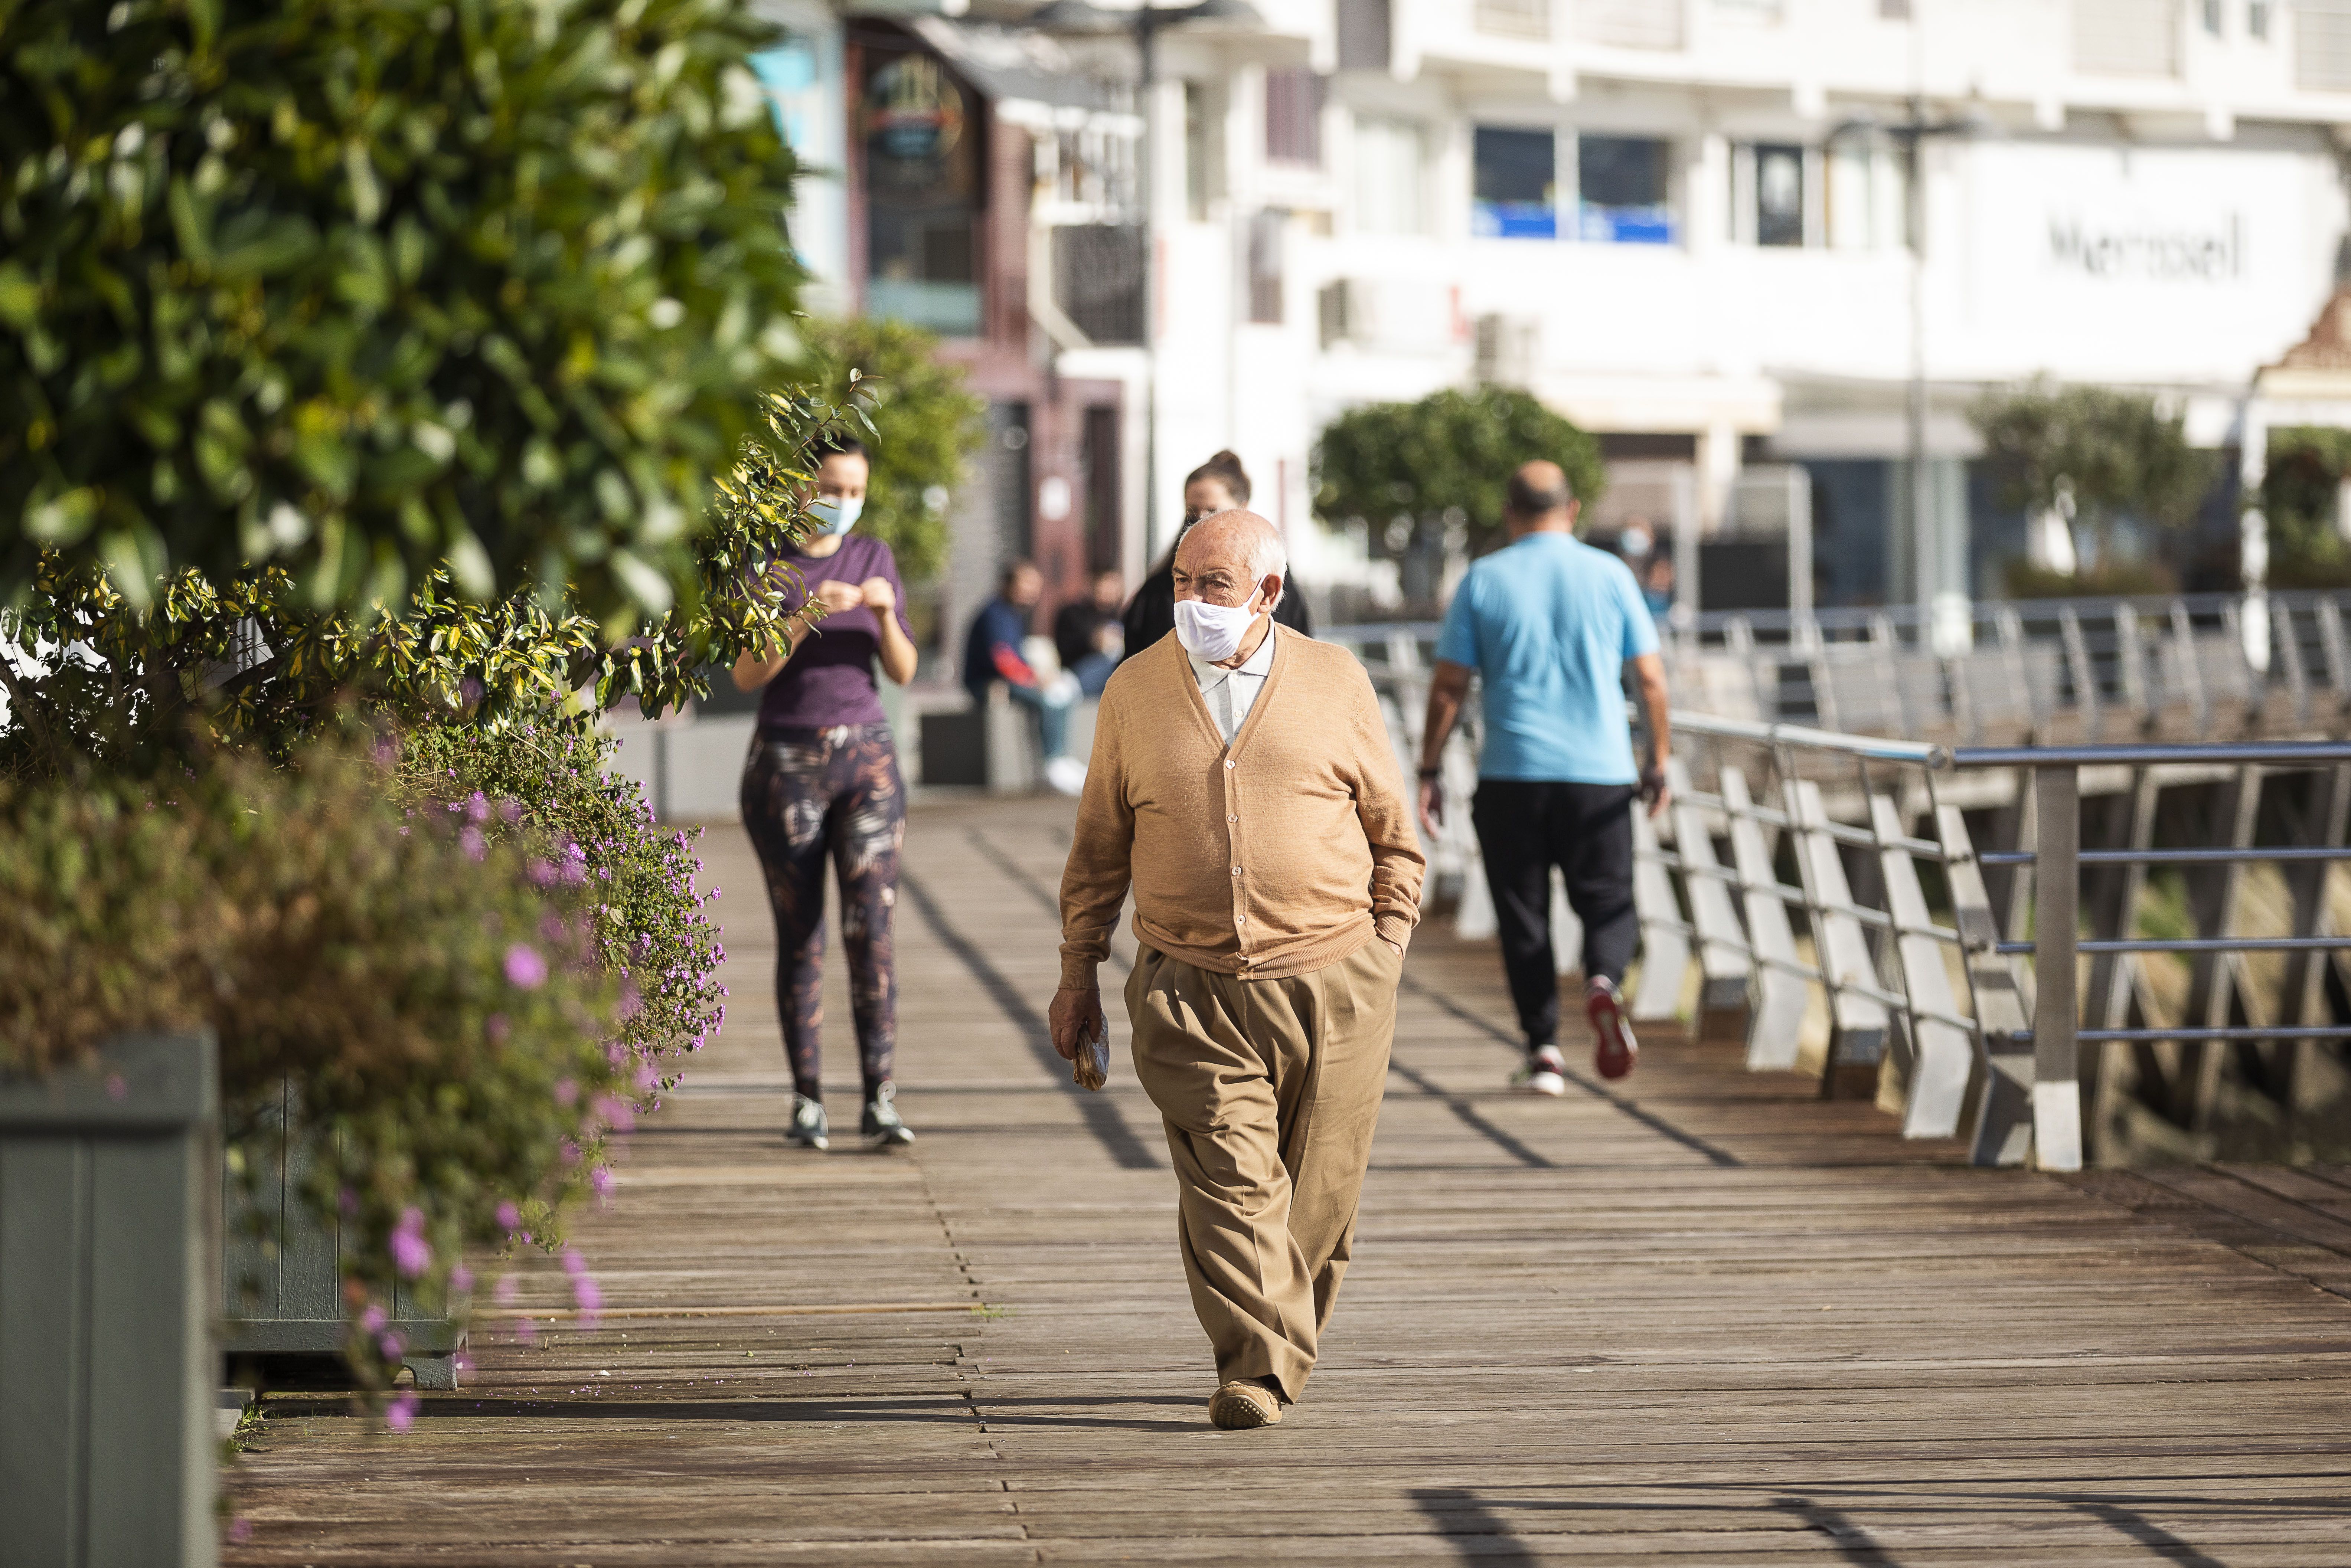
(1526, 827)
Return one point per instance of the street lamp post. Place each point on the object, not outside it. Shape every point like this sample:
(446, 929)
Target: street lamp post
(1144, 23)
(1910, 135)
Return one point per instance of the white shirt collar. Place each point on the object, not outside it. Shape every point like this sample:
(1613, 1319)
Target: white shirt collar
(1255, 665)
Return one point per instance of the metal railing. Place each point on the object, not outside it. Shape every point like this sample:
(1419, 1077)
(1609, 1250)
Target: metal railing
(1823, 895)
(2046, 670)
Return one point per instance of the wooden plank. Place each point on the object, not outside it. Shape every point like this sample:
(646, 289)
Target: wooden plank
(1710, 1317)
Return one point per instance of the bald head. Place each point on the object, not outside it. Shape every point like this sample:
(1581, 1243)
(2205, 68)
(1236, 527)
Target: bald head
(1227, 556)
(1539, 495)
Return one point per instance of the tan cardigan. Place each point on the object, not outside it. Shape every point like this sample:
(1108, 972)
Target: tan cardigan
(1273, 857)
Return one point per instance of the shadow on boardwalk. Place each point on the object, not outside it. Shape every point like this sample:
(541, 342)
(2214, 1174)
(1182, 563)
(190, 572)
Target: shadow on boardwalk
(1701, 1317)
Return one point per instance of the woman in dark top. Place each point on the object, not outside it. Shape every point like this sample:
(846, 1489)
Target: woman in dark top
(822, 780)
(1219, 484)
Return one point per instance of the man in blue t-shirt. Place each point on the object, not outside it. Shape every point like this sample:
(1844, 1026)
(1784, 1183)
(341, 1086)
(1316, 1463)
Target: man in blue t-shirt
(1549, 624)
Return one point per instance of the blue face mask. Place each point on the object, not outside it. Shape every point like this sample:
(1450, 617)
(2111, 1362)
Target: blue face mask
(836, 514)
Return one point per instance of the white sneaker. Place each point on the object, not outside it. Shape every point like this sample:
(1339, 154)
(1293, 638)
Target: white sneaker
(1544, 1073)
(1066, 774)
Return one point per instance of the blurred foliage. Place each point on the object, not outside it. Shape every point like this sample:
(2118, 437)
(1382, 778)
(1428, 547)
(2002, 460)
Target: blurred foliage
(371, 291)
(553, 794)
(2306, 463)
(428, 978)
(1445, 459)
(2118, 580)
(921, 423)
(101, 685)
(2116, 454)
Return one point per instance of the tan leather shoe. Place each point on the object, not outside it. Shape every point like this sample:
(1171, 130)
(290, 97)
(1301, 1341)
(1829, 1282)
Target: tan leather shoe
(1238, 1406)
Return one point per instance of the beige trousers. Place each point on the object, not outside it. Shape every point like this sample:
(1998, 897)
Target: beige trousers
(1270, 1089)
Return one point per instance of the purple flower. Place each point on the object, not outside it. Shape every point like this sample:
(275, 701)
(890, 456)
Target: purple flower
(411, 1253)
(391, 1344)
(508, 1216)
(573, 1263)
(477, 807)
(525, 970)
(588, 1298)
(240, 1529)
(540, 872)
(509, 811)
(600, 1179)
(461, 1278)
(373, 1320)
(566, 1092)
(503, 1292)
(402, 1413)
(471, 841)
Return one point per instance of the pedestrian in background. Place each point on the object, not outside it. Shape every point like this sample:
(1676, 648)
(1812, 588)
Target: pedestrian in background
(821, 781)
(1549, 624)
(1089, 635)
(1219, 484)
(992, 653)
(1243, 784)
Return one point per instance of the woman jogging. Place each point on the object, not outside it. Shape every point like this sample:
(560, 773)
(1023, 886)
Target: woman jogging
(822, 780)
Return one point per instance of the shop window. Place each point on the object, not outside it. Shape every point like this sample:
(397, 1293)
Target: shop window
(924, 183)
(1516, 184)
(1390, 178)
(1779, 194)
(1293, 116)
(1621, 182)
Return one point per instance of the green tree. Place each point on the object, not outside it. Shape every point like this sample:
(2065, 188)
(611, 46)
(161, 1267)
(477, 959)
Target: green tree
(1445, 459)
(2306, 464)
(2117, 454)
(922, 422)
(365, 289)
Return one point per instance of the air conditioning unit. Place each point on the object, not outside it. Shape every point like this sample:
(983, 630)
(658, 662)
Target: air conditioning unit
(1509, 350)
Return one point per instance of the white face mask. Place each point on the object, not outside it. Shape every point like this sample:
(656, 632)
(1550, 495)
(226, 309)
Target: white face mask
(836, 514)
(1213, 632)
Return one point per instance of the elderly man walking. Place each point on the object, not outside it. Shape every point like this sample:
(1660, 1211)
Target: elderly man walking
(1243, 784)
(1548, 623)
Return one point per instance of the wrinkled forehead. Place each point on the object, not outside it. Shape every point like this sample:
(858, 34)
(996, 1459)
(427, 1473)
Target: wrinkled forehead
(1214, 548)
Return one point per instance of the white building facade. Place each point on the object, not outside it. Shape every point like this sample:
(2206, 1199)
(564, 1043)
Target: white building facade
(1687, 224)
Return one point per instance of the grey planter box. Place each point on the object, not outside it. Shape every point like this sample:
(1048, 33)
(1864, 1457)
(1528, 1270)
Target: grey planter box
(109, 1252)
(284, 1289)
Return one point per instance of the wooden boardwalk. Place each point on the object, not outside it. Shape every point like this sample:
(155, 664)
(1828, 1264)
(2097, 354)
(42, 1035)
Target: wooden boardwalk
(1707, 1318)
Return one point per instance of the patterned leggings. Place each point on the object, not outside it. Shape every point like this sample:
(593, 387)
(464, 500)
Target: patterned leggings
(807, 792)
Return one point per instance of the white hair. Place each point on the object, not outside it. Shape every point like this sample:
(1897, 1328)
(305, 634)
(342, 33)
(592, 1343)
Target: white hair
(1267, 558)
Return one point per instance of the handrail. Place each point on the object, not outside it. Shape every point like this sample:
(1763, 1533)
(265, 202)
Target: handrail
(1997, 1035)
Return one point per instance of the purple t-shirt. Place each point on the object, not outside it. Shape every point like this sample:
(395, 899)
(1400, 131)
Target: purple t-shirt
(830, 681)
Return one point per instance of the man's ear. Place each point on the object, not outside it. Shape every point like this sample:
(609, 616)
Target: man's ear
(1272, 595)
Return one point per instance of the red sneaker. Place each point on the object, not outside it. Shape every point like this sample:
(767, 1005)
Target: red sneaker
(1614, 1048)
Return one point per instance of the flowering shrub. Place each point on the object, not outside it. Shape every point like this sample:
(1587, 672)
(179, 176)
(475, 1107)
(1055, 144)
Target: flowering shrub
(456, 1040)
(543, 786)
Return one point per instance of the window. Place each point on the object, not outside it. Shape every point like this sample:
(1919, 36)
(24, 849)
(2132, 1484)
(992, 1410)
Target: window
(1199, 152)
(1512, 18)
(1293, 116)
(1516, 184)
(2211, 9)
(1098, 451)
(923, 194)
(1265, 236)
(1621, 181)
(1865, 198)
(1630, 24)
(1779, 194)
(2322, 53)
(1389, 179)
(2257, 20)
(2127, 37)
